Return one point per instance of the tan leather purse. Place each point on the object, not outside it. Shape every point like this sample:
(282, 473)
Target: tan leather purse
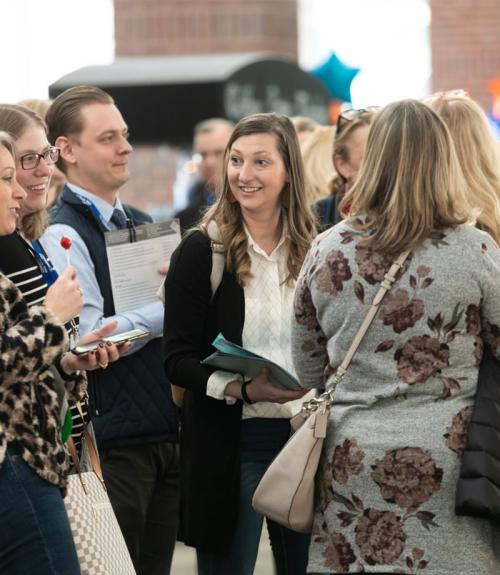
(285, 493)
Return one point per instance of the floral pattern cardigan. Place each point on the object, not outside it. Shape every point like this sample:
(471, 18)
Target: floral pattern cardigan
(30, 341)
(397, 428)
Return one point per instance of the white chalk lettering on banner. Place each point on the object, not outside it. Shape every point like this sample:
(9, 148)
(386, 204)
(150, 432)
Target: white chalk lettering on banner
(241, 100)
(276, 103)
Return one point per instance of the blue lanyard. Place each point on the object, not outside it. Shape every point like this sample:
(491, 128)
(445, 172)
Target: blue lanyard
(97, 214)
(48, 272)
(50, 275)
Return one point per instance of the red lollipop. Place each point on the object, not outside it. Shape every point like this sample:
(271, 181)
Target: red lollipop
(65, 242)
(66, 245)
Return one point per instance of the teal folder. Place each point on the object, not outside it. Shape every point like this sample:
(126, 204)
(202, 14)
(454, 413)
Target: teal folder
(236, 359)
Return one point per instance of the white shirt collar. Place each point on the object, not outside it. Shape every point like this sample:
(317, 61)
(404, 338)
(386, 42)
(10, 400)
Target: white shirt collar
(275, 254)
(103, 206)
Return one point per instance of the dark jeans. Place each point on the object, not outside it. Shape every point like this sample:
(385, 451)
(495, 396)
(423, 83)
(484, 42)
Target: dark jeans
(261, 440)
(35, 536)
(143, 486)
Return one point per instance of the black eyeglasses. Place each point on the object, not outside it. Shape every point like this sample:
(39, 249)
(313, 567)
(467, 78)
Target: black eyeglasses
(352, 114)
(30, 161)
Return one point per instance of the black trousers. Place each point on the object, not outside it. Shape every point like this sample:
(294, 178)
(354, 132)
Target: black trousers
(142, 483)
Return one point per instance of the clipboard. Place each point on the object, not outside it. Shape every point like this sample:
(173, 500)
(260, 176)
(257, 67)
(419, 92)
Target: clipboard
(134, 260)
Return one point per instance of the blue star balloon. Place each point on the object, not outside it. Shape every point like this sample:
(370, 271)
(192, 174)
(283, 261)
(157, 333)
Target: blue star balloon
(495, 126)
(337, 77)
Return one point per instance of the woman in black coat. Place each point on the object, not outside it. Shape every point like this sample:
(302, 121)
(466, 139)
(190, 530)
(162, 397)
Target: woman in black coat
(232, 429)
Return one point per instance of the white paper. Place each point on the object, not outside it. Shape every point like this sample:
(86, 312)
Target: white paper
(133, 265)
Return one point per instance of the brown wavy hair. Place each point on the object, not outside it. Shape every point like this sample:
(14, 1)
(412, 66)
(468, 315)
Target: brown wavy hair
(300, 220)
(410, 184)
(478, 155)
(15, 120)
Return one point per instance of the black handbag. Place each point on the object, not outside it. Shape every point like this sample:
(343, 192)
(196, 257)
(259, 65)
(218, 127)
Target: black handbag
(478, 487)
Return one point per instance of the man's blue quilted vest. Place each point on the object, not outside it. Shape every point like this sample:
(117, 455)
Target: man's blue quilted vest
(130, 402)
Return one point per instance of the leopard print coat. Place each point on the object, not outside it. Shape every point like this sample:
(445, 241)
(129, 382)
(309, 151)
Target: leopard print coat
(30, 342)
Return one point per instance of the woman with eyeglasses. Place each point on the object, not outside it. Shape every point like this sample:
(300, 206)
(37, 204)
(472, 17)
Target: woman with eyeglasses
(58, 179)
(39, 375)
(349, 145)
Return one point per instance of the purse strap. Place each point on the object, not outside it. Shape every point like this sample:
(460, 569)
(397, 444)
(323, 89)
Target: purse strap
(91, 446)
(385, 286)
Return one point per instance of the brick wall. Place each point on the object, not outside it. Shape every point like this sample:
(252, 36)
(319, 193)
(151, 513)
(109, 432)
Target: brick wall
(152, 177)
(169, 27)
(160, 27)
(465, 41)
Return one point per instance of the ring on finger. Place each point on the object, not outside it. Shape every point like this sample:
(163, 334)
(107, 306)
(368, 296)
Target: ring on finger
(103, 365)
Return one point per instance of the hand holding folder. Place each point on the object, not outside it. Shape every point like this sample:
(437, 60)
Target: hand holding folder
(236, 359)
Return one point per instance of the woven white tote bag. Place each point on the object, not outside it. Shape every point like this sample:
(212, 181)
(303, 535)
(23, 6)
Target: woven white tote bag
(99, 542)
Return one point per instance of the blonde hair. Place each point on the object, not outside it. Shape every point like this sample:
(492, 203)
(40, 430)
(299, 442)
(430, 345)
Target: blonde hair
(410, 184)
(41, 107)
(227, 213)
(318, 163)
(477, 153)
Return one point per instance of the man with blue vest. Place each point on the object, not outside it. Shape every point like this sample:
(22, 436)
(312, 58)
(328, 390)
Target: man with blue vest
(130, 402)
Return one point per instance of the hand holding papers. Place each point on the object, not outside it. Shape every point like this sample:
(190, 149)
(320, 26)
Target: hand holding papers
(236, 359)
(134, 262)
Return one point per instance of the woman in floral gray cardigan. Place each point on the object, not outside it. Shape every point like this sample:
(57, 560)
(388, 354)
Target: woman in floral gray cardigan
(397, 427)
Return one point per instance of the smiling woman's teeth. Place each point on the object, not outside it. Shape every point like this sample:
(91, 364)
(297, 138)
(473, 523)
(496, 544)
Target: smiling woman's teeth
(248, 189)
(39, 188)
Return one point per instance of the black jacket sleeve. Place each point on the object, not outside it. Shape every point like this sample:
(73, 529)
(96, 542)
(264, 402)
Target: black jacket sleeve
(187, 306)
